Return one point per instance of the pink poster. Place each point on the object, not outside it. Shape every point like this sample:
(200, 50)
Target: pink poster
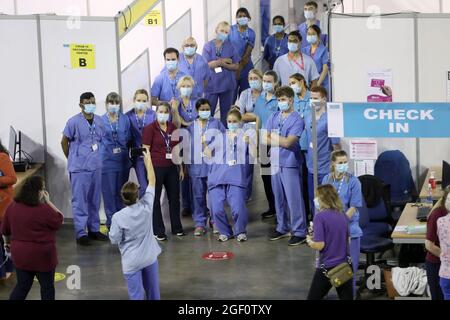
(379, 86)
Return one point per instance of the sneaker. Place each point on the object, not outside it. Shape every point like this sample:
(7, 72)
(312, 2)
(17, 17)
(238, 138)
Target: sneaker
(223, 238)
(296, 241)
(186, 212)
(199, 231)
(267, 215)
(242, 237)
(278, 235)
(84, 241)
(161, 237)
(181, 234)
(98, 236)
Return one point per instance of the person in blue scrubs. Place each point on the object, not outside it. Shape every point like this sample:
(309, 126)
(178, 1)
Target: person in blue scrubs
(194, 65)
(349, 189)
(140, 116)
(265, 106)
(283, 131)
(227, 182)
(311, 11)
(265, 20)
(165, 86)
(202, 132)
(116, 163)
(325, 145)
(296, 62)
(317, 50)
(276, 45)
(81, 143)
(243, 39)
(223, 61)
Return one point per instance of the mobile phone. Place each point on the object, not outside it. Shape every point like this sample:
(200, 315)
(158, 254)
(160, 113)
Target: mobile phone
(137, 152)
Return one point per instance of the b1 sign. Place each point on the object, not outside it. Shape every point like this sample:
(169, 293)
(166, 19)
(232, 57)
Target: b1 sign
(389, 120)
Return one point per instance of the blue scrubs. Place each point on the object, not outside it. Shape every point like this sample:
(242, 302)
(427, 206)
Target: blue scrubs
(265, 108)
(222, 82)
(116, 163)
(303, 29)
(85, 171)
(227, 182)
(274, 48)
(164, 88)
(349, 190)
(137, 126)
(242, 40)
(304, 65)
(265, 19)
(198, 70)
(198, 169)
(320, 57)
(286, 182)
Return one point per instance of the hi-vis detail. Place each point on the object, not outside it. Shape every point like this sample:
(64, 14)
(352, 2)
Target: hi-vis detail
(389, 120)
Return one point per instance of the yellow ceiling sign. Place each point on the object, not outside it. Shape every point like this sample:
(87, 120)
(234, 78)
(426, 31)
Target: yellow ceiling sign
(153, 19)
(82, 56)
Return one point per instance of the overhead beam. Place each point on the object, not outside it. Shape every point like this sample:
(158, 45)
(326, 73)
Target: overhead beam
(129, 17)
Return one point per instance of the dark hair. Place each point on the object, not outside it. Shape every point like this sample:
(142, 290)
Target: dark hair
(112, 97)
(285, 91)
(279, 18)
(2, 148)
(201, 102)
(164, 104)
(296, 34)
(299, 77)
(129, 193)
(275, 77)
(323, 92)
(311, 3)
(171, 50)
(29, 193)
(86, 96)
(316, 29)
(244, 11)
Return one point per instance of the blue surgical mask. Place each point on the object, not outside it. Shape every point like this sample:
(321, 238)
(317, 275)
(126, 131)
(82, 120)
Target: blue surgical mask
(255, 84)
(311, 39)
(316, 104)
(189, 51)
(316, 203)
(222, 36)
(141, 106)
(162, 117)
(113, 108)
(233, 126)
(293, 47)
(296, 88)
(171, 65)
(309, 14)
(205, 115)
(283, 105)
(90, 108)
(243, 21)
(342, 168)
(277, 28)
(267, 86)
(186, 91)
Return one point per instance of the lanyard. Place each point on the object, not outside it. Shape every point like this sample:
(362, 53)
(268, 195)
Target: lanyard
(114, 130)
(278, 45)
(233, 144)
(281, 121)
(340, 185)
(173, 85)
(194, 62)
(301, 66)
(244, 35)
(166, 141)
(206, 127)
(219, 51)
(188, 109)
(91, 129)
(141, 125)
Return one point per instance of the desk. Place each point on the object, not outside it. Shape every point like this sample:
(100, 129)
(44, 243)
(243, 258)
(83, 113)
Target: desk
(408, 218)
(438, 192)
(22, 176)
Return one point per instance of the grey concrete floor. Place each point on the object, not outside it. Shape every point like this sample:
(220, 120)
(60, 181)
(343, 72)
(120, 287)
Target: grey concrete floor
(260, 269)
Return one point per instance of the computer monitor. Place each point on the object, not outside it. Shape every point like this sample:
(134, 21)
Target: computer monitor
(445, 174)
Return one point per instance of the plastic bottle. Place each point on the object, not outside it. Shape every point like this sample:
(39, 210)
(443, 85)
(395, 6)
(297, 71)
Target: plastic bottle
(430, 194)
(432, 180)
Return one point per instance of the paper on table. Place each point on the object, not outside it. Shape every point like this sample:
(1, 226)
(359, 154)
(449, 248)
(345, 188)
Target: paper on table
(363, 167)
(401, 229)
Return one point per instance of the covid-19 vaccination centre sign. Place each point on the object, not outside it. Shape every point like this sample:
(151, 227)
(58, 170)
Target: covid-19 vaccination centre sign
(389, 120)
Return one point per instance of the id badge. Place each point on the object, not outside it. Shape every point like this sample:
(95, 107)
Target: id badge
(218, 70)
(168, 156)
(311, 145)
(94, 147)
(117, 150)
(232, 163)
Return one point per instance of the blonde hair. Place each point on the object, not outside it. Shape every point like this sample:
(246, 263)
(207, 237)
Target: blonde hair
(223, 24)
(256, 72)
(185, 79)
(329, 198)
(334, 156)
(187, 39)
(130, 193)
(141, 91)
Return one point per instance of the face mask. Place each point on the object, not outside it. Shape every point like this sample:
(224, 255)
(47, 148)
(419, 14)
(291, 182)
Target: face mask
(342, 168)
(267, 86)
(278, 28)
(296, 88)
(162, 117)
(316, 104)
(309, 14)
(243, 21)
(293, 47)
(114, 108)
(283, 106)
(140, 106)
(171, 65)
(447, 203)
(255, 84)
(316, 203)
(205, 115)
(186, 91)
(233, 126)
(222, 36)
(311, 39)
(90, 108)
(189, 51)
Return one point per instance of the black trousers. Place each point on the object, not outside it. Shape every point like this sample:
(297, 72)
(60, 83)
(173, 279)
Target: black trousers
(321, 285)
(25, 282)
(433, 280)
(169, 178)
(267, 181)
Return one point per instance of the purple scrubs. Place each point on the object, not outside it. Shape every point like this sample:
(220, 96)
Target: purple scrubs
(198, 70)
(164, 88)
(137, 125)
(321, 57)
(222, 82)
(85, 171)
(286, 182)
(275, 48)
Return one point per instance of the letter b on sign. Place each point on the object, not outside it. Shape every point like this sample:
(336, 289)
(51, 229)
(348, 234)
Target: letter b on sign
(82, 63)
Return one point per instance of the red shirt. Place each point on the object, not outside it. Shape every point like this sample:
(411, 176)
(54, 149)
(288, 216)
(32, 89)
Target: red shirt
(33, 232)
(152, 136)
(7, 180)
(432, 231)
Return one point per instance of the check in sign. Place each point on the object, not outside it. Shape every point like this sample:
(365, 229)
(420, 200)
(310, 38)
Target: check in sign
(389, 120)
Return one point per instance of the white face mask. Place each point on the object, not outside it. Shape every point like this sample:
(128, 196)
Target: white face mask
(447, 204)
